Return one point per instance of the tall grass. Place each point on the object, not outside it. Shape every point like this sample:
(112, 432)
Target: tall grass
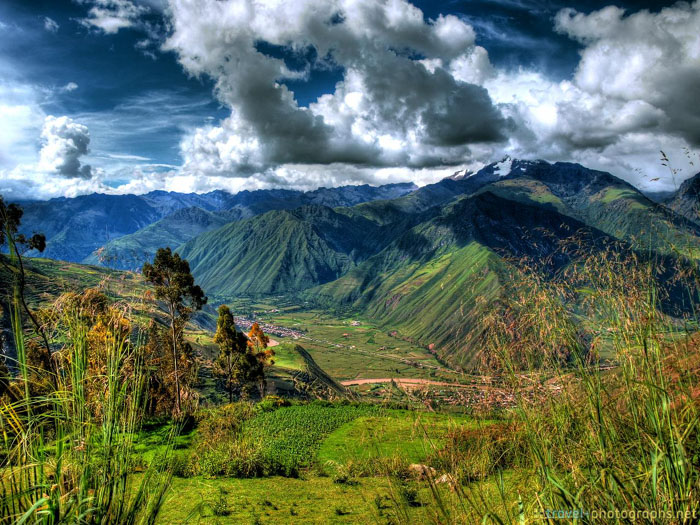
(67, 451)
(605, 377)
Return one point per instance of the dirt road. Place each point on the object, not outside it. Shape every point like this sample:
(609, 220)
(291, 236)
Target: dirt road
(407, 382)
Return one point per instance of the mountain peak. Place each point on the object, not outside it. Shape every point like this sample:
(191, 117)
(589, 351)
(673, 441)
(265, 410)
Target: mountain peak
(461, 175)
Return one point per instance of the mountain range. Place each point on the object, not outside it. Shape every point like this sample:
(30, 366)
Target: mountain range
(80, 229)
(421, 261)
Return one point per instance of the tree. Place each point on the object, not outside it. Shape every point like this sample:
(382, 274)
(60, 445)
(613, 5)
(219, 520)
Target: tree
(231, 364)
(174, 285)
(257, 342)
(157, 356)
(10, 220)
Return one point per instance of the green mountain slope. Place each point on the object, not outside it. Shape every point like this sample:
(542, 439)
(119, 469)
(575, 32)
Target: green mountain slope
(431, 282)
(130, 251)
(600, 200)
(279, 251)
(686, 201)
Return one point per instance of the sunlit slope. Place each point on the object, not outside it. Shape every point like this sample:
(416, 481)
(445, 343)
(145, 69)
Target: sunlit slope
(46, 279)
(601, 201)
(431, 282)
(278, 252)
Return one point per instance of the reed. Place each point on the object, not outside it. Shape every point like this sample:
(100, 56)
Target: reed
(67, 451)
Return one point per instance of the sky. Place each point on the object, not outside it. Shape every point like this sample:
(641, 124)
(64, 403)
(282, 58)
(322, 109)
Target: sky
(130, 96)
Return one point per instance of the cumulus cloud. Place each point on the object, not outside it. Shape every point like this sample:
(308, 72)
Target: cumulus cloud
(50, 25)
(71, 86)
(419, 93)
(417, 100)
(59, 170)
(64, 143)
(110, 16)
(397, 105)
(648, 59)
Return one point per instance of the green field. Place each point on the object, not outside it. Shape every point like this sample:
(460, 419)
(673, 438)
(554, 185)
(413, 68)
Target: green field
(405, 434)
(327, 442)
(316, 500)
(351, 352)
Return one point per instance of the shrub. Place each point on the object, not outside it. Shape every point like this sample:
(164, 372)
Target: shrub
(219, 449)
(223, 421)
(230, 457)
(270, 403)
(475, 453)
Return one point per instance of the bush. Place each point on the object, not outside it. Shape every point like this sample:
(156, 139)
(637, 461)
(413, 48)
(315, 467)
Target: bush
(231, 457)
(223, 421)
(270, 403)
(475, 453)
(219, 449)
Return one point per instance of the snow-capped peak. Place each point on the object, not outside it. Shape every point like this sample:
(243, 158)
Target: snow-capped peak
(503, 168)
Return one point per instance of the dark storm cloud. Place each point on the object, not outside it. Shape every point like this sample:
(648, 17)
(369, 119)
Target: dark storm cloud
(407, 105)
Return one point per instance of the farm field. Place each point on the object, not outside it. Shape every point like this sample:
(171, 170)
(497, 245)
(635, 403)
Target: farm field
(352, 464)
(355, 348)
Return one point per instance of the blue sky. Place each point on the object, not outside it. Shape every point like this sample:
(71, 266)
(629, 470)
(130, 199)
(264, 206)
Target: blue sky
(129, 96)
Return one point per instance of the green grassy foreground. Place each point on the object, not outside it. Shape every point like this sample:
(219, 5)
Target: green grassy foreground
(314, 499)
(346, 463)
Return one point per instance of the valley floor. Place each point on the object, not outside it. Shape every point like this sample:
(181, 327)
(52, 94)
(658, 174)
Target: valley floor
(346, 346)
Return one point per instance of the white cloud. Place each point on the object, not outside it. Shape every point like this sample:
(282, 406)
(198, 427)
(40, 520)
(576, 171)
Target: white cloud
(127, 157)
(644, 58)
(22, 117)
(391, 109)
(421, 94)
(50, 25)
(418, 98)
(24, 182)
(71, 86)
(293, 176)
(110, 16)
(64, 142)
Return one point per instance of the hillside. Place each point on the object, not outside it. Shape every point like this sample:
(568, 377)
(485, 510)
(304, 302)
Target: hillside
(129, 252)
(686, 201)
(600, 200)
(279, 251)
(421, 262)
(430, 282)
(296, 373)
(75, 227)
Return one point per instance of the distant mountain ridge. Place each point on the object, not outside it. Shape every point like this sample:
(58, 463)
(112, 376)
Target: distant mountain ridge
(77, 227)
(426, 262)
